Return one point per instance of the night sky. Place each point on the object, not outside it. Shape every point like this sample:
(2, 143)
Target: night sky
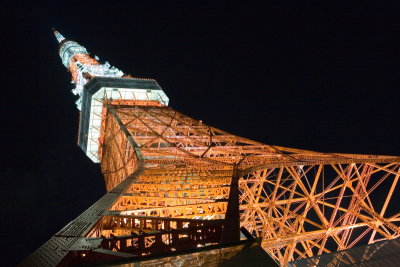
(314, 75)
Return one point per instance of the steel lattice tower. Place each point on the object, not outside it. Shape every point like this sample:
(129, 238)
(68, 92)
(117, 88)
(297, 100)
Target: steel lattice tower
(175, 183)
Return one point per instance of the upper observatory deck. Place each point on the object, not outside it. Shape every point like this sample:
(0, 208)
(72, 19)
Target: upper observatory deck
(116, 91)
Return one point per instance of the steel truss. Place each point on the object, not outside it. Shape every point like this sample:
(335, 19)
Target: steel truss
(176, 183)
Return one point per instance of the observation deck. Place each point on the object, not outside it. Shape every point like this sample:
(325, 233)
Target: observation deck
(140, 92)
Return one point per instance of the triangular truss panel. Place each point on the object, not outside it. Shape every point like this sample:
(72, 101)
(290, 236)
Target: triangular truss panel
(176, 184)
(302, 203)
(170, 179)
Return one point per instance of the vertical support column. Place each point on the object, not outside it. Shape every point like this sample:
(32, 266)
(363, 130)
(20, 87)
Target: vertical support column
(231, 231)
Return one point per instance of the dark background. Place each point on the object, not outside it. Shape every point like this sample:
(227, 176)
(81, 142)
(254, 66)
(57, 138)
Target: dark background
(320, 75)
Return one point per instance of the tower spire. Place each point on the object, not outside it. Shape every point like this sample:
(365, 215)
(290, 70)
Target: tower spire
(82, 67)
(58, 35)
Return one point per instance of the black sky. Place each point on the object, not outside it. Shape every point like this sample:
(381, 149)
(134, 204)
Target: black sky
(317, 75)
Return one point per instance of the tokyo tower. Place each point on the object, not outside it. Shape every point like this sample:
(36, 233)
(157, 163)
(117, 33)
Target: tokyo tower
(176, 184)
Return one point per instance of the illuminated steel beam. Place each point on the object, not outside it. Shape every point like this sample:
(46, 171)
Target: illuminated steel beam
(176, 183)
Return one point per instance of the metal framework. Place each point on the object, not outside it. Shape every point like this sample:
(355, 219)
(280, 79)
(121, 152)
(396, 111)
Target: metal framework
(301, 203)
(175, 183)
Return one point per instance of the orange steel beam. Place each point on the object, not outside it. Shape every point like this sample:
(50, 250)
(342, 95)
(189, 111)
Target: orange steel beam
(212, 192)
(172, 180)
(189, 211)
(175, 183)
(285, 194)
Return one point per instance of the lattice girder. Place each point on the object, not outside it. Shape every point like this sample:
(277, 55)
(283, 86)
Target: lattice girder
(171, 183)
(302, 203)
(302, 211)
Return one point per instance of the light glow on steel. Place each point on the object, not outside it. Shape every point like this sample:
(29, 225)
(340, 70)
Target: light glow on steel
(175, 183)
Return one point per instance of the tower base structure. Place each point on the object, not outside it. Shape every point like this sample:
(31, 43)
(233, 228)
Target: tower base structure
(175, 184)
